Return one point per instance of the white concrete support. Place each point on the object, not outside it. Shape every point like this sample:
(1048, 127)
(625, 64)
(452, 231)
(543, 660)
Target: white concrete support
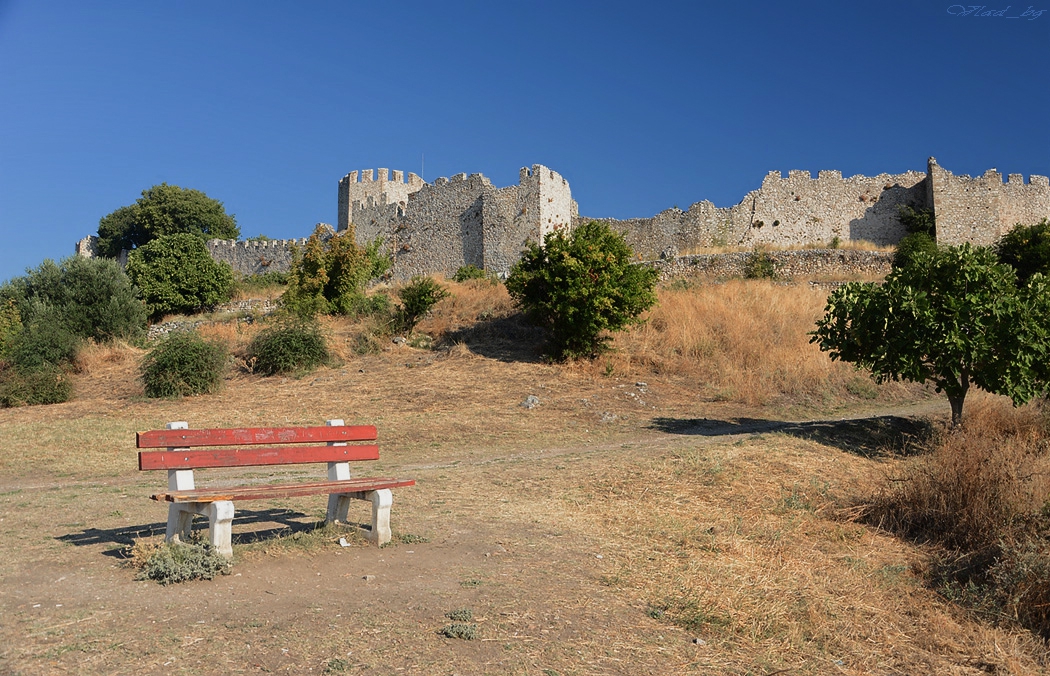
(337, 471)
(381, 502)
(220, 522)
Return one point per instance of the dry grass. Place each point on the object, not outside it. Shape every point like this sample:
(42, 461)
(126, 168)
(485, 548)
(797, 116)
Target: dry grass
(744, 341)
(850, 244)
(93, 357)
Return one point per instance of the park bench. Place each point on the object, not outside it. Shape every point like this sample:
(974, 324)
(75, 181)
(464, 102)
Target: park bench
(189, 449)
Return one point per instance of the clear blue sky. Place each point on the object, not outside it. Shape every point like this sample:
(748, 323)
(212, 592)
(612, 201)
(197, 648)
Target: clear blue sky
(640, 105)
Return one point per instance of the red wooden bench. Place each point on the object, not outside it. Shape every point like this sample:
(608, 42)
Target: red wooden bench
(187, 450)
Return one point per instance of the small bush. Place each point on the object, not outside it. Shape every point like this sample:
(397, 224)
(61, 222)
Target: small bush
(910, 245)
(918, 221)
(171, 563)
(46, 341)
(468, 272)
(288, 348)
(760, 265)
(417, 298)
(43, 384)
(460, 615)
(184, 364)
(581, 285)
(835, 242)
(10, 325)
(467, 632)
(330, 274)
(177, 275)
(246, 284)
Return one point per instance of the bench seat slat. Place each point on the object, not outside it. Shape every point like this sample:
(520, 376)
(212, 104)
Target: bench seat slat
(247, 457)
(236, 493)
(253, 435)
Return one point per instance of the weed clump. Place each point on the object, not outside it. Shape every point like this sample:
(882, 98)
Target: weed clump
(760, 265)
(417, 299)
(290, 347)
(463, 630)
(171, 563)
(460, 615)
(184, 364)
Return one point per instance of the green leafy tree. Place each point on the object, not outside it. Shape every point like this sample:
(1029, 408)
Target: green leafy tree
(1026, 249)
(176, 274)
(331, 273)
(955, 317)
(164, 210)
(581, 285)
(88, 297)
(918, 220)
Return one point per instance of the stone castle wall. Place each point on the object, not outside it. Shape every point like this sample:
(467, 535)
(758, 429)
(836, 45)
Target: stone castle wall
(463, 220)
(254, 258)
(981, 209)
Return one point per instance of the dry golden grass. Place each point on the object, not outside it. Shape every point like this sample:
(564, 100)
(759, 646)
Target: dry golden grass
(744, 341)
(850, 244)
(93, 357)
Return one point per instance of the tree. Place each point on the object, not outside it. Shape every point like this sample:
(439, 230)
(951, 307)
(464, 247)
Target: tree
(176, 274)
(164, 210)
(955, 317)
(330, 274)
(1026, 249)
(581, 285)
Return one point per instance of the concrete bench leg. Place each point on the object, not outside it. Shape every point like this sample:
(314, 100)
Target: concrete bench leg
(180, 520)
(381, 502)
(220, 521)
(338, 506)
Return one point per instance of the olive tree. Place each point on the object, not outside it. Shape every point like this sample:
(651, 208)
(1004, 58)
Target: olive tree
(954, 317)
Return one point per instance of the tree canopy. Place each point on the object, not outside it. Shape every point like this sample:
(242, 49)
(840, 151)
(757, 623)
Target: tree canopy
(1026, 249)
(580, 285)
(164, 210)
(176, 274)
(954, 317)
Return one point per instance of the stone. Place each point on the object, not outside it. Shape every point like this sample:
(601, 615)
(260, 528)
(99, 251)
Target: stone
(530, 402)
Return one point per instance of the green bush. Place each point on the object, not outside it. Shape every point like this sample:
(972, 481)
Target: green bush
(910, 245)
(29, 386)
(10, 325)
(468, 272)
(760, 265)
(184, 363)
(918, 221)
(1026, 249)
(46, 340)
(580, 285)
(288, 348)
(176, 274)
(172, 563)
(90, 297)
(330, 275)
(417, 298)
(461, 630)
(265, 280)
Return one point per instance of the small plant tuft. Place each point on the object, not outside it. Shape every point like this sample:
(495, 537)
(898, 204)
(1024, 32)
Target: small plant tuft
(290, 347)
(468, 272)
(184, 364)
(462, 630)
(460, 615)
(417, 299)
(171, 563)
(760, 265)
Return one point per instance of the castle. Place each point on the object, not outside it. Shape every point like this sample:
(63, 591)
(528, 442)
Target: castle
(465, 220)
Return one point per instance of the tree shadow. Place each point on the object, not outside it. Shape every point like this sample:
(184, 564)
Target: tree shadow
(287, 520)
(878, 437)
(506, 339)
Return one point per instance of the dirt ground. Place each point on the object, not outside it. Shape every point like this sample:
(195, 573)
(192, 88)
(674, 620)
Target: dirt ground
(618, 527)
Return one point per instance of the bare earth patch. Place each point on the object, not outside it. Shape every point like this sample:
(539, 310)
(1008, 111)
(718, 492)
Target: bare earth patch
(623, 525)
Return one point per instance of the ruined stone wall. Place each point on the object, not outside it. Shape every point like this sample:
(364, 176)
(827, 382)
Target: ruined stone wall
(981, 209)
(793, 211)
(802, 264)
(255, 258)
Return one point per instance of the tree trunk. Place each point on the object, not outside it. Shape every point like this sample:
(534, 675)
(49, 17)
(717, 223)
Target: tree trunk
(957, 398)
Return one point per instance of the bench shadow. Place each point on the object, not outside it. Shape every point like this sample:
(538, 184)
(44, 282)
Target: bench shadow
(877, 437)
(287, 521)
(506, 339)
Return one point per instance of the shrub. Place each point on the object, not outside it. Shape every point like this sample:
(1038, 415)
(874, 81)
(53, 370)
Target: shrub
(289, 347)
(462, 630)
(760, 265)
(331, 273)
(10, 325)
(580, 285)
(918, 221)
(468, 272)
(29, 386)
(44, 341)
(176, 274)
(184, 364)
(910, 245)
(90, 297)
(417, 298)
(171, 563)
(1026, 249)
(265, 280)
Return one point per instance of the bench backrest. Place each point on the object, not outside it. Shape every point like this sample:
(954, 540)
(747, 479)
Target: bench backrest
(262, 446)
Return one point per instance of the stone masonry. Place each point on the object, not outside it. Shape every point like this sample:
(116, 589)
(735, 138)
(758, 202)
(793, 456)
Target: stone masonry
(466, 220)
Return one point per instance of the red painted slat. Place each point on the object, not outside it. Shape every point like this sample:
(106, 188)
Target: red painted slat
(282, 490)
(246, 457)
(253, 435)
